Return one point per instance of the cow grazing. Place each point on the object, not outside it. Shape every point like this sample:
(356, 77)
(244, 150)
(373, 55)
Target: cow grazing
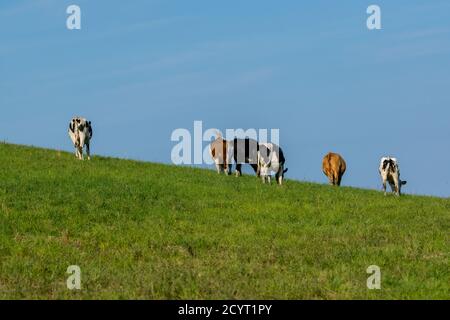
(245, 151)
(334, 166)
(390, 172)
(221, 152)
(80, 132)
(271, 159)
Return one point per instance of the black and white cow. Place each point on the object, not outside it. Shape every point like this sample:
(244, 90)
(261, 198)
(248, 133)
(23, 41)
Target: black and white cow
(245, 151)
(390, 172)
(271, 159)
(80, 132)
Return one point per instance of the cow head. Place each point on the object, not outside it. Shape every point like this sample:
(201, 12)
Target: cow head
(401, 183)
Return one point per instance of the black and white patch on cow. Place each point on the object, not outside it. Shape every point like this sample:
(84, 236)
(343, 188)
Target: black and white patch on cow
(390, 173)
(271, 159)
(80, 132)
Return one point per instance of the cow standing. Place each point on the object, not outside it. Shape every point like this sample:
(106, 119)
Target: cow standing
(271, 159)
(390, 172)
(245, 151)
(221, 152)
(80, 132)
(334, 166)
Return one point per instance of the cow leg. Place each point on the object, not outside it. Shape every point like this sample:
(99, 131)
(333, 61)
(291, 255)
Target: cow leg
(75, 145)
(238, 169)
(338, 182)
(80, 152)
(393, 188)
(395, 185)
(279, 175)
(331, 178)
(335, 178)
(279, 179)
(384, 186)
(88, 151)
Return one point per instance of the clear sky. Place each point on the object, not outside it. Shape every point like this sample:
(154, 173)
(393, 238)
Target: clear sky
(140, 69)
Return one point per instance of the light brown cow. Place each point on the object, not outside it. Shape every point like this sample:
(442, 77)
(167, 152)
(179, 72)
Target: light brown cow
(222, 153)
(334, 166)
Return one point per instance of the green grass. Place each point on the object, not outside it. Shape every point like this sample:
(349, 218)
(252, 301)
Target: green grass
(152, 231)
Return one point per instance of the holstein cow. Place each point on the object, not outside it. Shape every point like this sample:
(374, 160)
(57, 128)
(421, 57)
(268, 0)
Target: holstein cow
(221, 152)
(245, 151)
(80, 132)
(390, 172)
(271, 159)
(334, 166)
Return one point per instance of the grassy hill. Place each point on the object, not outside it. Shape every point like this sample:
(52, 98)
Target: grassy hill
(143, 230)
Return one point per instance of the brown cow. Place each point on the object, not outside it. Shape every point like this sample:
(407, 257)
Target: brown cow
(333, 165)
(221, 152)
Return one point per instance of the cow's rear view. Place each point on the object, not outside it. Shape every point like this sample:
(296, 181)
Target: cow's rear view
(390, 172)
(221, 152)
(80, 132)
(334, 166)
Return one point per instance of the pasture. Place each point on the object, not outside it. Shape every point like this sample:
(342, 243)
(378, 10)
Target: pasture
(151, 231)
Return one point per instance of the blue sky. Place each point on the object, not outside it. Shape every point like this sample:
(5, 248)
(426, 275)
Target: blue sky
(140, 69)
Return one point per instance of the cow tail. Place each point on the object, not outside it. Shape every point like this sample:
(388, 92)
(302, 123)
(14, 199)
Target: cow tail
(90, 130)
